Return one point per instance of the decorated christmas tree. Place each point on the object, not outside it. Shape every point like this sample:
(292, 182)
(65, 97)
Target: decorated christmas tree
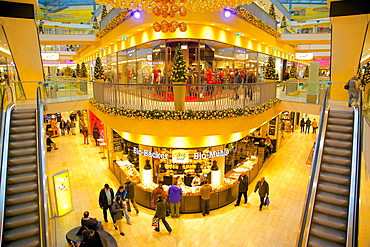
(104, 12)
(283, 22)
(78, 71)
(366, 77)
(270, 69)
(306, 71)
(98, 69)
(83, 70)
(272, 12)
(178, 71)
(359, 73)
(293, 71)
(95, 24)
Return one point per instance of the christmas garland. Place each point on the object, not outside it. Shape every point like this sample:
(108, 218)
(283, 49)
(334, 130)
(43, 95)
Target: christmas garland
(184, 115)
(257, 22)
(113, 23)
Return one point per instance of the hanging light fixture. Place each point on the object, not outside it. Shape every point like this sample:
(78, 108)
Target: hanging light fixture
(147, 165)
(198, 169)
(214, 166)
(180, 169)
(162, 169)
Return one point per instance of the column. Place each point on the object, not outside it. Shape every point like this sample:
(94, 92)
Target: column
(217, 177)
(146, 176)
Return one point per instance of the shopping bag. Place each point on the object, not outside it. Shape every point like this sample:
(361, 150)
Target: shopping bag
(267, 202)
(155, 221)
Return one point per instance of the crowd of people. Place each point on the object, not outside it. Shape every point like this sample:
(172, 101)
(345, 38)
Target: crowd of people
(307, 124)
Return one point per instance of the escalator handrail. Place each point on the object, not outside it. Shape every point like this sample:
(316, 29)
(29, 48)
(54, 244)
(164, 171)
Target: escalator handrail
(314, 177)
(41, 170)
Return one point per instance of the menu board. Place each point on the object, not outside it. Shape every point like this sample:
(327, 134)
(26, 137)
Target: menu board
(117, 145)
(116, 135)
(62, 190)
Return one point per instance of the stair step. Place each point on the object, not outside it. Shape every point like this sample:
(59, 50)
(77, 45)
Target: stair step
(22, 136)
(22, 152)
(22, 160)
(319, 242)
(21, 198)
(338, 143)
(341, 170)
(23, 122)
(334, 178)
(330, 209)
(328, 233)
(330, 221)
(21, 220)
(338, 151)
(23, 208)
(331, 159)
(22, 144)
(332, 198)
(339, 128)
(337, 189)
(23, 129)
(21, 188)
(29, 115)
(341, 114)
(339, 136)
(340, 121)
(23, 110)
(25, 242)
(21, 232)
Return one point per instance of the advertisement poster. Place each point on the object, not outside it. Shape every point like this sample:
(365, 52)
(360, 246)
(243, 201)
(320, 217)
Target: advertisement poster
(62, 191)
(180, 156)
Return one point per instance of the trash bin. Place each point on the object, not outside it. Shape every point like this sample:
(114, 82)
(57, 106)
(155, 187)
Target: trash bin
(53, 92)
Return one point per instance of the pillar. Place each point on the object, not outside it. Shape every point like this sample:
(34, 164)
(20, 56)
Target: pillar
(146, 176)
(217, 177)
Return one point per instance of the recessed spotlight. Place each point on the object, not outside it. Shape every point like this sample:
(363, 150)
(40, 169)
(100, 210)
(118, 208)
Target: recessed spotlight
(227, 13)
(137, 14)
(212, 24)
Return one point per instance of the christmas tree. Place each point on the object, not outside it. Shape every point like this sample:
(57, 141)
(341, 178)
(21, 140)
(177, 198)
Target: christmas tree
(78, 71)
(95, 24)
(366, 77)
(270, 69)
(83, 70)
(283, 22)
(293, 71)
(272, 12)
(104, 12)
(306, 71)
(178, 71)
(359, 73)
(98, 69)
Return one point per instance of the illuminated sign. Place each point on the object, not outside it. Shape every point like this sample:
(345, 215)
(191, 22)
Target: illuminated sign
(304, 56)
(49, 56)
(211, 154)
(62, 190)
(180, 156)
(150, 154)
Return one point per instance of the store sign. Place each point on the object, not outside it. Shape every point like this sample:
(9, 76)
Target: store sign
(212, 154)
(49, 56)
(180, 156)
(304, 56)
(150, 154)
(62, 191)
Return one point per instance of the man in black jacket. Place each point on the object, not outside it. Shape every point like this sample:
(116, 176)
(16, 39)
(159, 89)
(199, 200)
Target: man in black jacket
(106, 197)
(263, 190)
(243, 188)
(130, 196)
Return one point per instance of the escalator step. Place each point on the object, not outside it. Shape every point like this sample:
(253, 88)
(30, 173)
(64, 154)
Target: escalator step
(319, 242)
(21, 178)
(328, 234)
(23, 122)
(341, 114)
(330, 221)
(340, 121)
(22, 136)
(21, 198)
(339, 128)
(23, 110)
(18, 116)
(339, 136)
(25, 242)
(21, 232)
(22, 160)
(330, 209)
(341, 170)
(23, 129)
(21, 188)
(338, 151)
(18, 169)
(21, 220)
(338, 189)
(22, 152)
(332, 198)
(338, 143)
(22, 144)
(331, 159)
(19, 209)
(334, 178)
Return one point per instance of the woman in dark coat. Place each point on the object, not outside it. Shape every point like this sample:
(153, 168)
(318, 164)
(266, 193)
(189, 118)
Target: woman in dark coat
(96, 135)
(117, 210)
(161, 213)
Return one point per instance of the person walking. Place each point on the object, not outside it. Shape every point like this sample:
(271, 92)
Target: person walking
(73, 127)
(156, 192)
(123, 193)
(62, 127)
(205, 196)
(41, 27)
(96, 134)
(174, 196)
(130, 188)
(263, 190)
(353, 90)
(68, 126)
(81, 124)
(308, 125)
(302, 124)
(243, 188)
(106, 197)
(314, 126)
(85, 133)
(117, 212)
(161, 213)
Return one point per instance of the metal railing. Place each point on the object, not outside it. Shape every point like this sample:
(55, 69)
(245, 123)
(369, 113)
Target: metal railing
(195, 96)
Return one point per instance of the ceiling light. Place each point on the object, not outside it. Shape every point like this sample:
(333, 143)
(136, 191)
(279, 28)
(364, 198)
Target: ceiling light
(227, 13)
(137, 14)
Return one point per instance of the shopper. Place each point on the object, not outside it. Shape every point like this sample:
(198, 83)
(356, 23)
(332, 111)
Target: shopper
(90, 223)
(205, 196)
(302, 124)
(130, 188)
(308, 125)
(353, 90)
(269, 146)
(73, 127)
(50, 143)
(85, 133)
(243, 188)
(314, 126)
(117, 211)
(263, 190)
(62, 127)
(174, 196)
(68, 126)
(161, 213)
(156, 192)
(72, 116)
(106, 197)
(41, 27)
(89, 239)
(81, 124)
(123, 193)
(195, 181)
(96, 134)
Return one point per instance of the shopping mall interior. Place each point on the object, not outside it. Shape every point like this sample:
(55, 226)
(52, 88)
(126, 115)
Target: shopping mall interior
(262, 103)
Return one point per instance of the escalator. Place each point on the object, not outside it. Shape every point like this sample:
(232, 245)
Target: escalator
(23, 206)
(331, 212)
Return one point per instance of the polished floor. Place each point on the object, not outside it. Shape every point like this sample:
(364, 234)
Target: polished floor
(276, 225)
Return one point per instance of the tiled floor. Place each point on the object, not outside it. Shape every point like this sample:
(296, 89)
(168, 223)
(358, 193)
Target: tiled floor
(276, 225)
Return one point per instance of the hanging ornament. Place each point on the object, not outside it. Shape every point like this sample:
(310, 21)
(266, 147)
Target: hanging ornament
(171, 28)
(172, 14)
(164, 26)
(182, 26)
(183, 11)
(157, 27)
(175, 24)
(156, 11)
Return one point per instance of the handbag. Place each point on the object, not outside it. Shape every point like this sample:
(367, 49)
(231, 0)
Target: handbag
(267, 202)
(167, 213)
(155, 221)
(346, 87)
